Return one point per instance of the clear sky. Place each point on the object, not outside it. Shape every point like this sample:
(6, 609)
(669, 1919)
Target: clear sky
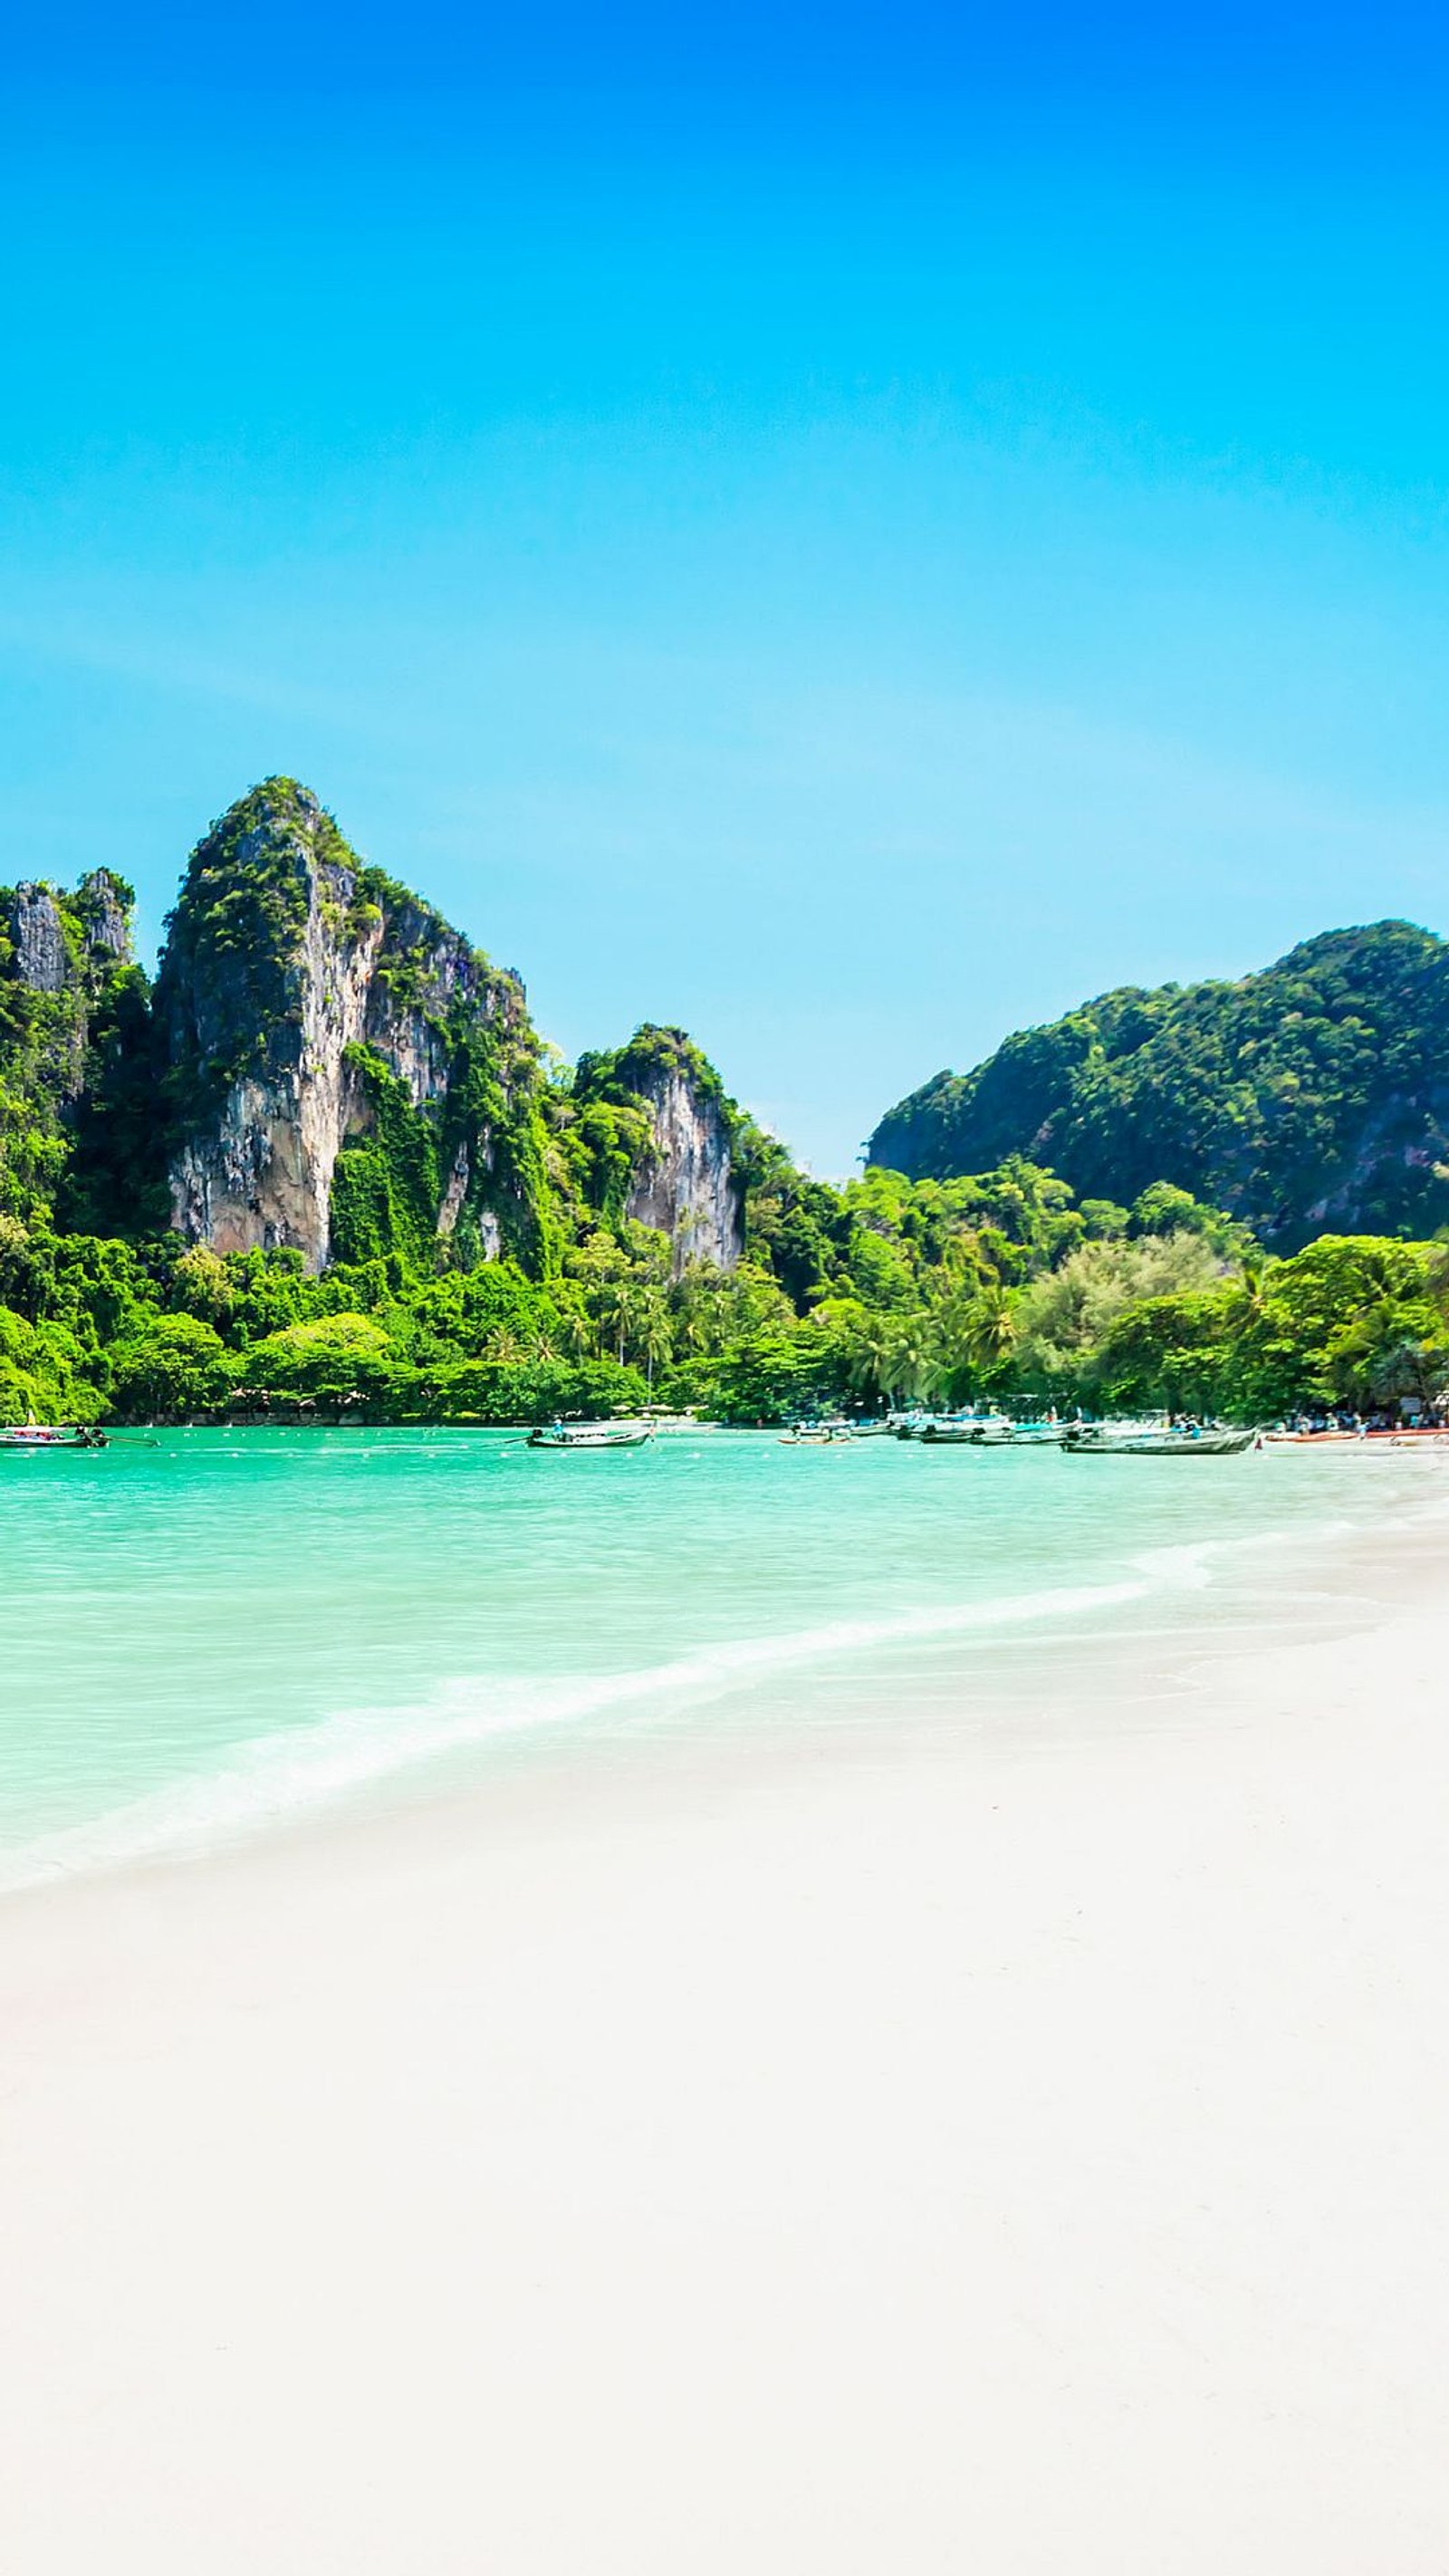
(849, 530)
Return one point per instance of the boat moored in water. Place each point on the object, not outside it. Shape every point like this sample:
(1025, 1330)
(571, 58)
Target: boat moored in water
(975, 1430)
(591, 1435)
(1153, 1440)
(30, 1439)
(965, 1431)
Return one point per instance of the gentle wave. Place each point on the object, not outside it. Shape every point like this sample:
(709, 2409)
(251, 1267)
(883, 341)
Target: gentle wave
(279, 1777)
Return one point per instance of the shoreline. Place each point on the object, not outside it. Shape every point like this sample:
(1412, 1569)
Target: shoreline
(1006, 2136)
(962, 1660)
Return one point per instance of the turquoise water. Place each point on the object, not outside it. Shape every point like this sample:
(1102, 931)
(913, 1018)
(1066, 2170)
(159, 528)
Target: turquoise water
(226, 1628)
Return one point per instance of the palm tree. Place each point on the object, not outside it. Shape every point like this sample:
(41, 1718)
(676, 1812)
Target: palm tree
(576, 1332)
(915, 1365)
(870, 1354)
(701, 1304)
(990, 1334)
(653, 1339)
(615, 1307)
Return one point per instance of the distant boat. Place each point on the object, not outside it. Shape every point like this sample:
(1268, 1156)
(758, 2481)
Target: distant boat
(591, 1435)
(966, 1431)
(815, 1435)
(1425, 1434)
(1151, 1440)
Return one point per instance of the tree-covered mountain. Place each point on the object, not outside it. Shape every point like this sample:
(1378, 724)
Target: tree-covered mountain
(1311, 1097)
(346, 1075)
(327, 1169)
(327, 1067)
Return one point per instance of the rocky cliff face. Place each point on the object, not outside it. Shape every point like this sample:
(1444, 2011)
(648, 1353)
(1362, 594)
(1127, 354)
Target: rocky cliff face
(349, 1076)
(42, 959)
(68, 943)
(65, 961)
(656, 1123)
(685, 1182)
(327, 1067)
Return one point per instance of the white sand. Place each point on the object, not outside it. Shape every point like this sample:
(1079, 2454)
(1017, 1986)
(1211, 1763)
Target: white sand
(1027, 2153)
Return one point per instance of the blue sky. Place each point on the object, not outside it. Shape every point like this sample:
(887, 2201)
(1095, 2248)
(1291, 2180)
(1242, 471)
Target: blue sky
(847, 531)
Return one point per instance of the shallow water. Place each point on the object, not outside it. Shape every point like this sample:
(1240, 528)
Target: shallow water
(230, 1627)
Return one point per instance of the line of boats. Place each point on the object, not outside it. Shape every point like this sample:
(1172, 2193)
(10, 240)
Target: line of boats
(1173, 1438)
(980, 1430)
(1135, 1439)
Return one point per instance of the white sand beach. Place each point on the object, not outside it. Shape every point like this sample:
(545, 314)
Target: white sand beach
(1022, 2149)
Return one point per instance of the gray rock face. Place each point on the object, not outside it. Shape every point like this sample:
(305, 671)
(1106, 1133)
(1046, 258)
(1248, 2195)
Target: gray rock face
(257, 1174)
(107, 916)
(42, 960)
(280, 962)
(66, 951)
(687, 1186)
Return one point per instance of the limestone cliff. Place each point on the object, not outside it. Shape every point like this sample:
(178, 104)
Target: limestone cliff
(42, 960)
(326, 1066)
(661, 1133)
(69, 994)
(348, 1076)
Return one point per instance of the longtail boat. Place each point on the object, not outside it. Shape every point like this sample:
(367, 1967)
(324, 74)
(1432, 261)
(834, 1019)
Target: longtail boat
(590, 1435)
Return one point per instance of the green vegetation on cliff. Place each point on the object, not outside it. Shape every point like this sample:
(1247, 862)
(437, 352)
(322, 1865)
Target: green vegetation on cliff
(306, 993)
(1315, 1094)
(1113, 1315)
(391, 1202)
(77, 1072)
(605, 1120)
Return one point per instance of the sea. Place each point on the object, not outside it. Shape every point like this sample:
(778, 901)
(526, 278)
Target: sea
(210, 1634)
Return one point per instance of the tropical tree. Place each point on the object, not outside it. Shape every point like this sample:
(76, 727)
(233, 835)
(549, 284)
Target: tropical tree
(174, 1364)
(1062, 1317)
(990, 1330)
(330, 1358)
(651, 1336)
(916, 1365)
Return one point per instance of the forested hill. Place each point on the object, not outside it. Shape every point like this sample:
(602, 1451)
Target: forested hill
(1313, 1096)
(326, 1169)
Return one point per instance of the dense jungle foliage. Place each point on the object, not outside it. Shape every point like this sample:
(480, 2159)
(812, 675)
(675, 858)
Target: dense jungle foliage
(1000, 1286)
(1110, 1288)
(1309, 1097)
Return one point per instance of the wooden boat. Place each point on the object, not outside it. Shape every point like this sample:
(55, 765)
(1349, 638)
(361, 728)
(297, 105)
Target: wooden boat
(30, 1438)
(1148, 1440)
(1318, 1439)
(590, 1435)
(815, 1435)
(966, 1431)
(1405, 1437)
